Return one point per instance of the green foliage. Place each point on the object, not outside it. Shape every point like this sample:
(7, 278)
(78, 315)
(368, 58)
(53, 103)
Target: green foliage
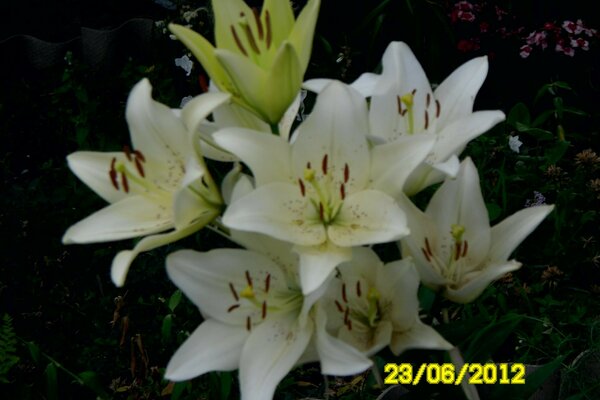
(8, 348)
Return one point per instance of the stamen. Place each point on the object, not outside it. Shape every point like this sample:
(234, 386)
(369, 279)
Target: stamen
(426, 119)
(321, 212)
(426, 255)
(324, 164)
(457, 251)
(202, 82)
(113, 178)
(342, 191)
(203, 181)
(250, 38)
(127, 152)
(414, 91)
(124, 182)
(427, 100)
(235, 295)
(346, 173)
(404, 112)
(346, 313)
(437, 108)
(264, 309)
(349, 325)
(268, 23)
(302, 188)
(308, 165)
(465, 248)
(344, 293)
(248, 278)
(139, 155)
(358, 291)
(233, 307)
(258, 23)
(339, 306)
(399, 102)
(267, 283)
(138, 166)
(237, 41)
(248, 323)
(427, 247)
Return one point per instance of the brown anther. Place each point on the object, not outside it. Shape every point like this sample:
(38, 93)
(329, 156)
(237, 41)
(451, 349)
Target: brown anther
(427, 247)
(233, 307)
(344, 293)
(399, 102)
(250, 38)
(268, 23)
(308, 166)
(202, 82)
(426, 255)
(113, 178)
(203, 181)
(139, 167)
(127, 152)
(342, 191)
(414, 91)
(138, 154)
(346, 173)
(267, 283)
(248, 324)
(238, 42)
(264, 309)
(403, 113)
(426, 119)
(465, 248)
(258, 23)
(248, 278)
(125, 183)
(346, 313)
(321, 212)
(437, 108)
(324, 164)
(457, 251)
(427, 100)
(349, 324)
(339, 306)
(358, 291)
(302, 188)
(235, 295)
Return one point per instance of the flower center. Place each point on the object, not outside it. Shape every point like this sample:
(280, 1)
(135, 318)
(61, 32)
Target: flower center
(250, 40)
(406, 110)
(454, 266)
(322, 191)
(360, 310)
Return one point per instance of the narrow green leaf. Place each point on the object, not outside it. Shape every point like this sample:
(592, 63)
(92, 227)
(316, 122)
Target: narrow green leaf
(174, 300)
(91, 380)
(166, 328)
(519, 113)
(178, 390)
(51, 382)
(489, 339)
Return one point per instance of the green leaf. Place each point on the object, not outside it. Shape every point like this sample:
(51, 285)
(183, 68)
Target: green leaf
(51, 382)
(166, 328)
(226, 382)
(426, 298)
(540, 134)
(178, 390)
(494, 210)
(556, 152)
(91, 380)
(490, 338)
(519, 113)
(34, 351)
(174, 300)
(543, 117)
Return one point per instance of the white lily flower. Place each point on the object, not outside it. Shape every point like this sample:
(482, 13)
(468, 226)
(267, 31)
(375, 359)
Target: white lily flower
(162, 184)
(372, 305)
(452, 243)
(327, 191)
(260, 58)
(404, 104)
(256, 317)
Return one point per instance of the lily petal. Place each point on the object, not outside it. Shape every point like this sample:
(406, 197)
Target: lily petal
(509, 233)
(302, 34)
(214, 346)
(282, 85)
(419, 336)
(270, 352)
(196, 110)
(479, 280)
(368, 217)
(317, 263)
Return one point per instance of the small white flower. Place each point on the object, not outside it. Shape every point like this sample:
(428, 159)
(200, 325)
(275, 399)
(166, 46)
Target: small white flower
(185, 100)
(186, 63)
(514, 143)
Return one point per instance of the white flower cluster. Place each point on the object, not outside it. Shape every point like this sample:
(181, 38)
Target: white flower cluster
(306, 286)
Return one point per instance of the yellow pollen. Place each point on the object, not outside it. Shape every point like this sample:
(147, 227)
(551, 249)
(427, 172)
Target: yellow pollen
(407, 99)
(457, 232)
(247, 292)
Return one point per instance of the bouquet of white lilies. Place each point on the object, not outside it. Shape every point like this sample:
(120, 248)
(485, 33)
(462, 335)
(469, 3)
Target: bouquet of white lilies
(304, 205)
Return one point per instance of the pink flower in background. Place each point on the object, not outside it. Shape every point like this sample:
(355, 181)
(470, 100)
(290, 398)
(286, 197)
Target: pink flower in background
(573, 27)
(566, 50)
(538, 39)
(525, 51)
(580, 43)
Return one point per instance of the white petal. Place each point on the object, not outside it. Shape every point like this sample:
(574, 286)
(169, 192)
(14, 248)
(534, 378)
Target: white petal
(509, 233)
(123, 259)
(270, 352)
(419, 336)
(92, 168)
(392, 163)
(337, 357)
(316, 85)
(399, 281)
(336, 127)
(317, 263)
(267, 155)
(470, 290)
(206, 277)
(155, 129)
(449, 167)
(460, 201)
(457, 92)
(196, 110)
(213, 346)
(277, 210)
(128, 218)
(368, 217)
(366, 83)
